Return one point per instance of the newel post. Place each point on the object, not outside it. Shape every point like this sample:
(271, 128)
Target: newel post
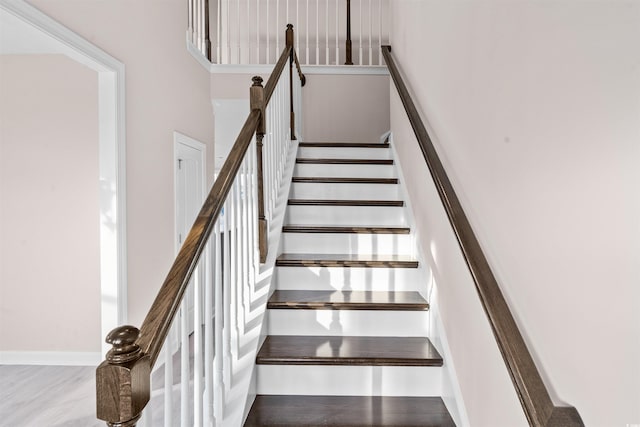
(123, 380)
(289, 39)
(256, 101)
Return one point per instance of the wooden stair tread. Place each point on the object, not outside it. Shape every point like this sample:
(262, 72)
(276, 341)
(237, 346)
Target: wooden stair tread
(345, 202)
(337, 180)
(345, 260)
(344, 161)
(344, 229)
(348, 411)
(339, 350)
(344, 144)
(346, 300)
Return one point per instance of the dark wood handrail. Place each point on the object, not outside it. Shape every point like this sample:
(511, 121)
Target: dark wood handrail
(533, 394)
(123, 379)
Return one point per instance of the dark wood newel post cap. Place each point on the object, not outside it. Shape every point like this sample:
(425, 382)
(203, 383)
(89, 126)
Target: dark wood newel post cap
(289, 26)
(123, 339)
(257, 81)
(123, 380)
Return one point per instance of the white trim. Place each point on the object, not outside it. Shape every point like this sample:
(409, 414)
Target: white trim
(268, 68)
(57, 358)
(112, 180)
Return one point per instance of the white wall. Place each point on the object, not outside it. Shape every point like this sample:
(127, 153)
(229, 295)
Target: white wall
(49, 209)
(535, 108)
(166, 90)
(345, 108)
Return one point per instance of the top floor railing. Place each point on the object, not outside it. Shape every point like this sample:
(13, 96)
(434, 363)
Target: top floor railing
(186, 342)
(329, 32)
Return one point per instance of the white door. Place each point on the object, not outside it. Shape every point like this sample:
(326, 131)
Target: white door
(189, 196)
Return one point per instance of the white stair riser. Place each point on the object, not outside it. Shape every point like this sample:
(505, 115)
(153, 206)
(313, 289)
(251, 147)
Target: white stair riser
(345, 215)
(350, 279)
(349, 380)
(344, 153)
(301, 190)
(399, 323)
(343, 243)
(345, 171)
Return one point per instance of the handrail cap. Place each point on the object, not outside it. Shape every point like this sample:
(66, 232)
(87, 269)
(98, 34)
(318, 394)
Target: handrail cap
(123, 339)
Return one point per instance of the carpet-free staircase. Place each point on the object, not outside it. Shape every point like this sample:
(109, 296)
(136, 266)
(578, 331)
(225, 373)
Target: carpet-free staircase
(348, 337)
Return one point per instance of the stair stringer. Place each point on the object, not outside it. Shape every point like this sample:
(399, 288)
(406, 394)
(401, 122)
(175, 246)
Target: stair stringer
(451, 393)
(240, 394)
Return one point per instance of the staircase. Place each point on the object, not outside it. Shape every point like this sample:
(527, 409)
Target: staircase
(348, 324)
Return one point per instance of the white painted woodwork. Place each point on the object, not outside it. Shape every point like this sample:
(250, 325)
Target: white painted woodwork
(343, 243)
(344, 153)
(305, 190)
(344, 171)
(353, 279)
(348, 322)
(350, 380)
(252, 31)
(346, 215)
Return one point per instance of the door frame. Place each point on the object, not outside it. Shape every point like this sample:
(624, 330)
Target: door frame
(112, 161)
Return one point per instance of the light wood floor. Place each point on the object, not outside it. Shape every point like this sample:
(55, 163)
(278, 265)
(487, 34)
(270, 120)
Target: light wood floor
(48, 396)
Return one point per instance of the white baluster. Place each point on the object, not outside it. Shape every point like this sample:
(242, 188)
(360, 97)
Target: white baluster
(168, 378)
(370, 31)
(337, 34)
(268, 35)
(258, 32)
(326, 33)
(226, 273)
(184, 363)
(218, 395)
(360, 34)
(307, 34)
(379, 32)
(209, 335)
(197, 346)
(317, 32)
(219, 32)
(277, 29)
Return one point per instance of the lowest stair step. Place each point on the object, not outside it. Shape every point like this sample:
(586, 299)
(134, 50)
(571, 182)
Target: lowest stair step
(346, 300)
(339, 350)
(348, 411)
(346, 260)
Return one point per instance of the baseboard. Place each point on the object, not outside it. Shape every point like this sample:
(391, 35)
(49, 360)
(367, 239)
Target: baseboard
(58, 358)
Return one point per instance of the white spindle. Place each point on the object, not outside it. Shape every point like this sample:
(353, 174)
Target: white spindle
(228, 31)
(326, 33)
(168, 379)
(226, 271)
(379, 32)
(209, 335)
(219, 32)
(277, 29)
(337, 33)
(190, 21)
(184, 363)
(238, 40)
(219, 320)
(307, 34)
(197, 346)
(258, 32)
(360, 34)
(317, 32)
(268, 59)
(370, 31)
(297, 27)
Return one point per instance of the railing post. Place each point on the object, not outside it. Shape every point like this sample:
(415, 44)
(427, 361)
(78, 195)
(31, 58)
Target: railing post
(349, 60)
(123, 380)
(289, 39)
(256, 101)
(207, 31)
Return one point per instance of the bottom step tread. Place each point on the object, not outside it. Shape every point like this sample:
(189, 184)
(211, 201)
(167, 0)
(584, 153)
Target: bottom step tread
(306, 411)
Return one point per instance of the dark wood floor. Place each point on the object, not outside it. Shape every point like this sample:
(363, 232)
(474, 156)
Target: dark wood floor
(348, 411)
(339, 350)
(346, 300)
(346, 260)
